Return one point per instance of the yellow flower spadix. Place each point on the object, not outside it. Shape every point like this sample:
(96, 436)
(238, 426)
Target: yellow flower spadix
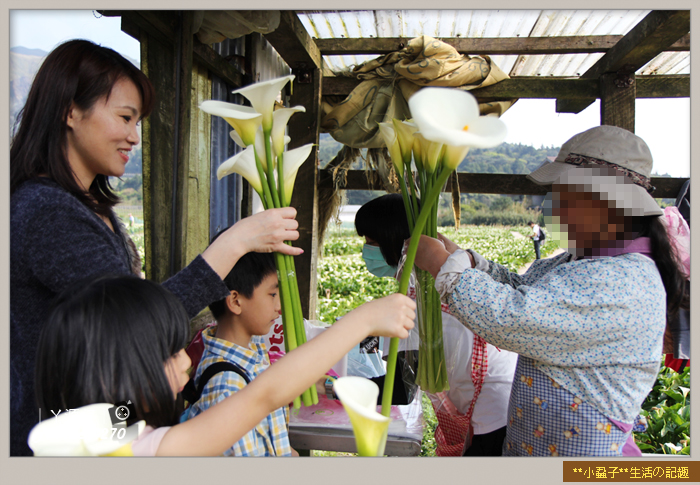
(243, 119)
(262, 97)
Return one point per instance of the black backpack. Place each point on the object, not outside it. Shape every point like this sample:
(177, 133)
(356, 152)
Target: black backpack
(542, 235)
(192, 393)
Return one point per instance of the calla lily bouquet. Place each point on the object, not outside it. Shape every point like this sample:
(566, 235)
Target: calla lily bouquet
(271, 171)
(446, 123)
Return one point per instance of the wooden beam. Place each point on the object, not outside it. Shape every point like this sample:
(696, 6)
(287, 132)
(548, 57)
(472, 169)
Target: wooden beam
(497, 183)
(293, 43)
(217, 64)
(671, 86)
(304, 129)
(649, 38)
(162, 26)
(617, 97)
(480, 46)
(667, 86)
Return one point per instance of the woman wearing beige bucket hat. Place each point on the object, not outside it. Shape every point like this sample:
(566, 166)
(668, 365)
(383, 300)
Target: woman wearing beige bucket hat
(588, 324)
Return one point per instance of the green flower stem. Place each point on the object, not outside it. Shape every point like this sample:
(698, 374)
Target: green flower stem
(292, 319)
(280, 178)
(290, 338)
(270, 168)
(406, 204)
(309, 397)
(403, 284)
(411, 186)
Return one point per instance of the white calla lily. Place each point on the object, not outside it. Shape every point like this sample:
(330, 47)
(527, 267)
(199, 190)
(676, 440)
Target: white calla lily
(386, 130)
(243, 119)
(451, 116)
(429, 151)
(404, 134)
(280, 118)
(262, 96)
(237, 139)
(260, 150)
(85, 431)
(242, 163)
(293, 159)
(359, 398)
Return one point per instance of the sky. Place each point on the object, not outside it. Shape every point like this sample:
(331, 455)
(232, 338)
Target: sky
(663, 123)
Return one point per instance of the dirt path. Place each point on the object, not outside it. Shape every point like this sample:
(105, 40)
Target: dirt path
(556, 252)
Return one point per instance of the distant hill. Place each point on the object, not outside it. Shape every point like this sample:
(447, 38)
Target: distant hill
(29, 52)
(505, 158)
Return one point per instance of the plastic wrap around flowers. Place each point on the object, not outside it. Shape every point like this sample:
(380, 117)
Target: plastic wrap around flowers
(271, 170)
(446, 123)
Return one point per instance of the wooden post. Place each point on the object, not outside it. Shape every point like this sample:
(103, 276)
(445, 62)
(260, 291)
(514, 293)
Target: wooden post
(181, 163)
(198, 181)
(303, 130)
(166, 144)
(158, 63)
(617, 97)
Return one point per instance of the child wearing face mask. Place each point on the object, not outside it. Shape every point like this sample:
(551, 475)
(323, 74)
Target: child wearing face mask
(480, 375)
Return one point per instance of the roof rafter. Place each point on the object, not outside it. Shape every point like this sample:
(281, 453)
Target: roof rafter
(649, 38)
(491, 46)
(668, 86)
(293, 43)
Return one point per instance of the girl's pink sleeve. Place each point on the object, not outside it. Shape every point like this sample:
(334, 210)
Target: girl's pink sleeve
(148, 442)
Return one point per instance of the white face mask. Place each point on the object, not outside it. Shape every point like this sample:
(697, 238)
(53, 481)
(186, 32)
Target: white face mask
(375, 262)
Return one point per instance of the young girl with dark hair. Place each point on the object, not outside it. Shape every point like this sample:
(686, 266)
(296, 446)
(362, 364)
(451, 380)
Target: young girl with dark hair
(472, 414)
(589, 323)
(76, 129)
(113, 339)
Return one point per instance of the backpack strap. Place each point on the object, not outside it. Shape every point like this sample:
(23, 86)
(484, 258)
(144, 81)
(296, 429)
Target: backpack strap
(192, 393)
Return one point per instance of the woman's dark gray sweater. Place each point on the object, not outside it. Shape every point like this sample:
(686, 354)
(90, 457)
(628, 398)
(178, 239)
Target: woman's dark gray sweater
(56, 240)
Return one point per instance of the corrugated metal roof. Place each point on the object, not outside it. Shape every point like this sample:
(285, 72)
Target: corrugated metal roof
(491, 23)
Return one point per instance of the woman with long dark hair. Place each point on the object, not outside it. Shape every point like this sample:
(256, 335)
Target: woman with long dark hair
(589, 323)
(76, 130)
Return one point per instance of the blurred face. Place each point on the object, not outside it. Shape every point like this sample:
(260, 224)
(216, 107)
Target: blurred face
(100, 139)
(259, 312)
(176, 368)
(590, 223)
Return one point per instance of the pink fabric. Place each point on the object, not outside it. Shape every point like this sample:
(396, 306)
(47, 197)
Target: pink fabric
(148, 441)
(679, 234)
(630, 448)
(640, 245)
(453, 428)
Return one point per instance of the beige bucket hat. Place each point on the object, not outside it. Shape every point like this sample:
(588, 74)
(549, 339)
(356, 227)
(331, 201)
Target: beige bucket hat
(607, 160)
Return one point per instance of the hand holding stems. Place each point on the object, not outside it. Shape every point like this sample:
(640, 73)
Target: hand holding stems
(431, 255)
(212, 432)
(450, 246)
(263, 232)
